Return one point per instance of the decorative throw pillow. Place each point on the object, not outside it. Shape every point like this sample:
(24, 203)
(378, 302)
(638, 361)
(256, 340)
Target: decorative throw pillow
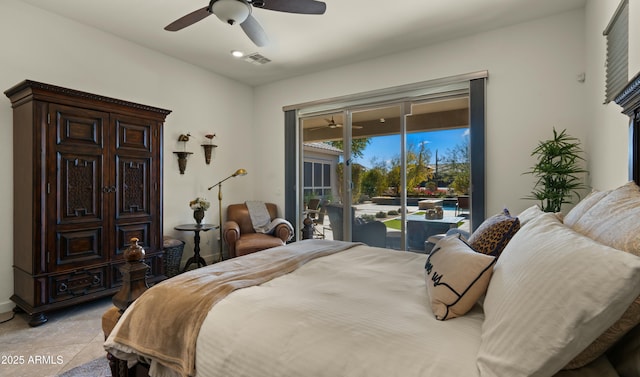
(456, 277)
(553, 291)
(494, 233)
(583, 206)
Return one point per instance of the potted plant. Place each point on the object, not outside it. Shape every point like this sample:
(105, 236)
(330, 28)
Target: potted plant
(199, 205)
(558, 170)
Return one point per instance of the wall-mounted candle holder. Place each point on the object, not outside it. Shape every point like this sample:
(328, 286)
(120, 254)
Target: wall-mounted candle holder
(207, 152)
(182, 160)
(182, 156)
(208, 148)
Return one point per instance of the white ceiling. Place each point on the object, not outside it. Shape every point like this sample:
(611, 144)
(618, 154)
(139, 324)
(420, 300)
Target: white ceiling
(349, 31)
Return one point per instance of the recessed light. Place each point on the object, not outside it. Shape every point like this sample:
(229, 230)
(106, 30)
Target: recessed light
(237, 54)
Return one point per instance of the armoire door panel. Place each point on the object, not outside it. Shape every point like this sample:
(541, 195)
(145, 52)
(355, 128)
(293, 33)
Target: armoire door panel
(133, 134)
(79, 127)
(133, 194)
(81, 187)
(125, 232)
(79, 247)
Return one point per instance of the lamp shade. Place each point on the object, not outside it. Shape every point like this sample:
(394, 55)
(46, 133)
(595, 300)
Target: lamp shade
(231, 11)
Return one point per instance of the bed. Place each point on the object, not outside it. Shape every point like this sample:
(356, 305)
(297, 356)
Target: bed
(560, 298)
(332, 308)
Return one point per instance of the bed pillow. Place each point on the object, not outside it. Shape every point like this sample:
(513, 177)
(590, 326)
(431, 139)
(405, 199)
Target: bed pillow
(529, 214)
(609, 222)
(533, 212)
(613, 220)
(553, 291)
(494, 233)
(583, 206)
(456, 277)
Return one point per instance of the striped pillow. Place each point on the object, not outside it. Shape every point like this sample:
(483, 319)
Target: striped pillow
(553, 292)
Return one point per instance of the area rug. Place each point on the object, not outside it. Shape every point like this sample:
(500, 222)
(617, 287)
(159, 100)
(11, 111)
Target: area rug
(95, 368)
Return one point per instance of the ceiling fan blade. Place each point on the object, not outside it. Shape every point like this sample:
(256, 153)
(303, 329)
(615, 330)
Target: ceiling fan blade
(293, 6)
(254, 31)
(189, 19)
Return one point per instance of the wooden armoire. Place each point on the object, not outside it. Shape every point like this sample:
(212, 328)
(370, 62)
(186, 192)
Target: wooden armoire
(87, 178)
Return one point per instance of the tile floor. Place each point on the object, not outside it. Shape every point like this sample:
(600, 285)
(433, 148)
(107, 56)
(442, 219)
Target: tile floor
(70, 338)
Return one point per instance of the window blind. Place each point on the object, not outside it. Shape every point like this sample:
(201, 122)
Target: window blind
(617, 60)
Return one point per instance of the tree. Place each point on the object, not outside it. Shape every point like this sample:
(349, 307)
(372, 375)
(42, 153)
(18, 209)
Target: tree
(458, 161)
(418, 169)
(357, 146)
(374, 182)
(357, 171)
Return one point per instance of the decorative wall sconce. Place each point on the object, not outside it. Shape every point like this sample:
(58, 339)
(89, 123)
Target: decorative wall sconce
(208, 148)
(182, 156)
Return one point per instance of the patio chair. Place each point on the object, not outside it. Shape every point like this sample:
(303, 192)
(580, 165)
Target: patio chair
(372, 233)
(463, 205)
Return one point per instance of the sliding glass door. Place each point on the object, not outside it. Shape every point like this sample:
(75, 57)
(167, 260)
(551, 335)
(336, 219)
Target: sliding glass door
(390, 172)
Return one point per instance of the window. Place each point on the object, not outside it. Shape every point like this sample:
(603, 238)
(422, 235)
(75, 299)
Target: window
(617, 60)
(317, 179)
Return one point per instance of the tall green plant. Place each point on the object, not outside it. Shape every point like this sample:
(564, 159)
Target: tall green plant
(558, 170)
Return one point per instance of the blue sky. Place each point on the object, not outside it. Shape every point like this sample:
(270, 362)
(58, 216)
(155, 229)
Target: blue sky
(384, 148)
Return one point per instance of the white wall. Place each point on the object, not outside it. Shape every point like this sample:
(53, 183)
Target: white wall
(608, 127)
(41, 46)
(532, 87)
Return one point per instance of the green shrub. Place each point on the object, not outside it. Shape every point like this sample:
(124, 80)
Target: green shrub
(368, 218)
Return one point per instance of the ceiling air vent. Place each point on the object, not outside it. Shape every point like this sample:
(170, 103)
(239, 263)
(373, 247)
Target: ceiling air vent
(257, 59)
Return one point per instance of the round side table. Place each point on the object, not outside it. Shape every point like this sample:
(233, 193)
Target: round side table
(196, 229)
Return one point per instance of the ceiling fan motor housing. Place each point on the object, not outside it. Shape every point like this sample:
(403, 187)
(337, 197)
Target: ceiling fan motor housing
(231, 11)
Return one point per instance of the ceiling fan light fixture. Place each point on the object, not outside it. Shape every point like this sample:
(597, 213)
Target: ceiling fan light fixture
(231, 11)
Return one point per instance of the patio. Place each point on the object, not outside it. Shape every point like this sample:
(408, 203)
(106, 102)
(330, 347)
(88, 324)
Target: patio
(392, 222)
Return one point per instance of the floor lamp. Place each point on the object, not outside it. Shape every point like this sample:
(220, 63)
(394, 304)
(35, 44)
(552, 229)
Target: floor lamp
(219, 184)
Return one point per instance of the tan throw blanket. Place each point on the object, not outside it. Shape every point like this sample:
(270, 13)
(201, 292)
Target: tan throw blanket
(164, 322)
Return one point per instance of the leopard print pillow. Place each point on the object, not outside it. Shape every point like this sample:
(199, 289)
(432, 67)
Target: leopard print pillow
(494, 233)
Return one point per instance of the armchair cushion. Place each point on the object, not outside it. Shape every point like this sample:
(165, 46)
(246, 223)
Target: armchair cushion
(252, 242)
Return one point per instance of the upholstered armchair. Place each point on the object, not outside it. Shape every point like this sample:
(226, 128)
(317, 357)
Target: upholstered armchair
(240, 237)
(372, 233)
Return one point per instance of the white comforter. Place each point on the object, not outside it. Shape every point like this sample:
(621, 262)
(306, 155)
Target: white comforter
(360, 312)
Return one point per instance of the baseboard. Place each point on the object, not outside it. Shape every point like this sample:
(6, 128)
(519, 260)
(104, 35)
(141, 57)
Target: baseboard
(6, 306)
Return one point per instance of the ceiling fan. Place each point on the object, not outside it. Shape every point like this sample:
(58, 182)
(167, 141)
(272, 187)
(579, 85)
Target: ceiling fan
(239, 12)
(332, 124)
